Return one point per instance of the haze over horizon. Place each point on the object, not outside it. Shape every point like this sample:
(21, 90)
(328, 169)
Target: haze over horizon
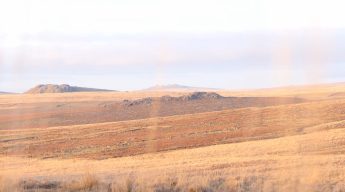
(128, 45)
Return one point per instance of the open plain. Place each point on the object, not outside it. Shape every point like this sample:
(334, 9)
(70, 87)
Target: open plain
(283, 139)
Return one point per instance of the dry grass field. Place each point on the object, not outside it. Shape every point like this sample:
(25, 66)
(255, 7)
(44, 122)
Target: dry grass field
(308, 162)
(62, 113)
(317, 91)
(276, 146)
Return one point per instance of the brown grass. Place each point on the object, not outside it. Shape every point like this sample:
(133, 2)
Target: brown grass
(107, 140)
(8, 184)
(248, 183)
(308, 162)
(286, 148)
(88, 182)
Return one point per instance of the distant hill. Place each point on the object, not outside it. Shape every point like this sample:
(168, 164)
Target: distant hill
(51, 88)
(177, 88)
(4, 93)
(309, 90)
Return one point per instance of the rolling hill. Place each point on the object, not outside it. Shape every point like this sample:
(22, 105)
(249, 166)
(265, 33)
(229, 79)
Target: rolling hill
(267, 140)
(314, 91)
(58, 112)
(64, 88)
(125, 138)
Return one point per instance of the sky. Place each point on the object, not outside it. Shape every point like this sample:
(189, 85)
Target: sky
(134, 44)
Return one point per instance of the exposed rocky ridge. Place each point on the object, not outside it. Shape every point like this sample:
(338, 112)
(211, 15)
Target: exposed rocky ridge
(51, 88)
(144, 101)
(201, 95)
(193, 96)
(190, 97)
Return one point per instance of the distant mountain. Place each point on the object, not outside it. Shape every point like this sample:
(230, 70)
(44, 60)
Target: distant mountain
(51, 88)
(176, 87)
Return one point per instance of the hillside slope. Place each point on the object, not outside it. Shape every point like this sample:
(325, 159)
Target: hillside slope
(317, 91)
(307, 162)
(105, 140)
(47, 114)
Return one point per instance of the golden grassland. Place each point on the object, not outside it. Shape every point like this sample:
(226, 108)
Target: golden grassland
(116, 139)
(317, 91)
(308, 162)
(293, 147)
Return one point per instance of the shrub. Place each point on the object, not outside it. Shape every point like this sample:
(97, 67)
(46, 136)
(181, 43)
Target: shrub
(87, 183)
(169, 186)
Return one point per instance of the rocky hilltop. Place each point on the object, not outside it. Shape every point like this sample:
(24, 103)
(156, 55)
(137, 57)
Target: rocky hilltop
(64, 88)
(189, 97)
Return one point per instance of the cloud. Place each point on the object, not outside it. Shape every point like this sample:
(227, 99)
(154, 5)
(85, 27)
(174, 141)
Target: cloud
(152, 16)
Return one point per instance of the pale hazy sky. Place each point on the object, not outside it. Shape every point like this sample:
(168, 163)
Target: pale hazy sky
(132, 44)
